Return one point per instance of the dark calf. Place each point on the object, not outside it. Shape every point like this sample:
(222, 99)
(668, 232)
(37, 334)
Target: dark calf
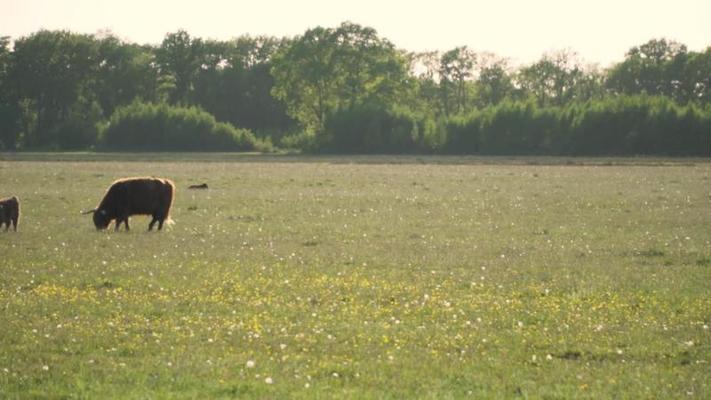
(10, 212)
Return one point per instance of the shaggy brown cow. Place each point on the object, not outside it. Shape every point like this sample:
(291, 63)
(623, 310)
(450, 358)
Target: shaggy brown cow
(9, 212)
(135, 196)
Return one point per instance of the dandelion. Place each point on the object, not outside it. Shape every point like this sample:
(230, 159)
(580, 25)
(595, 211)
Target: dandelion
(268, 380)
(282, 346)
(250, 364)
(45, 368)
(307, 385)
(549, 357)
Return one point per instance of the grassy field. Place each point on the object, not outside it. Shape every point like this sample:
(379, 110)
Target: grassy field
(361, 277)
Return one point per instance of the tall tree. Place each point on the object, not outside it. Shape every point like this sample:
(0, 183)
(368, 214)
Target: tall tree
(9, 107)
(697, 77)
(52, 69)
(326, 69)
(553, 79)
(235, 84)
(125, 72)
(423, 95)
(180, 57)
(494, 82)
(456, 68)
(654, 68)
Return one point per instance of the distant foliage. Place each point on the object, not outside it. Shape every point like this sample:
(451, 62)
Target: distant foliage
(509, 128)
(624, 125)
(346, 89)
(371, 129)
(160, 127)
(640, 125)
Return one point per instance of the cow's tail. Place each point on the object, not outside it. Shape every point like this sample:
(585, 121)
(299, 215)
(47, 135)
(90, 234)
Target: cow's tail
(16, 213)
(169, 194)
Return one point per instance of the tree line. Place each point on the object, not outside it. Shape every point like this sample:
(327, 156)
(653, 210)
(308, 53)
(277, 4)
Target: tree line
(347, 90)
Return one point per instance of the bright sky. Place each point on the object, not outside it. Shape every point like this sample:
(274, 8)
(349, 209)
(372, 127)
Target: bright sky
(601, 31)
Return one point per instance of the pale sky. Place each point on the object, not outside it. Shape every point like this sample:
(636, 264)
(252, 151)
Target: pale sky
(601, 31)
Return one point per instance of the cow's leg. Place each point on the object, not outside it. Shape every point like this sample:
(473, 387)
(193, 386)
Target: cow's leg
(160, 223)
(153, 222)
(125, 222)
(118, 224)
(14, 224)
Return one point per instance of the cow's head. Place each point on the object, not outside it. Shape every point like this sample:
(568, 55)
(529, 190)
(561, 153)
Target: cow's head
(101, 218)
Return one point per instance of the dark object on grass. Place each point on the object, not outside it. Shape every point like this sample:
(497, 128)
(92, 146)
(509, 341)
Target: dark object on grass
(200, 186)
(135, 196)
(10, 212)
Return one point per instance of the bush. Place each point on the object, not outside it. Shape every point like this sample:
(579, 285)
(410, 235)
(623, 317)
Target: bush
(371, 129)
(80, 130)
(630, 125)
(625, 125)
(160, 127)
(507, 128)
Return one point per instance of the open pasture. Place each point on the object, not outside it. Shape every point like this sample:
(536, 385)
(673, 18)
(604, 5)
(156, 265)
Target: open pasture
(361, 278)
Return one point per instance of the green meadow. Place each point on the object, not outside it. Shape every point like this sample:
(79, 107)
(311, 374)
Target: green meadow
(360, 277)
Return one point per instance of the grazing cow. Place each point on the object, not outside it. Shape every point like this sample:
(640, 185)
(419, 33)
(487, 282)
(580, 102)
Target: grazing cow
(135, 196)
(9, 212)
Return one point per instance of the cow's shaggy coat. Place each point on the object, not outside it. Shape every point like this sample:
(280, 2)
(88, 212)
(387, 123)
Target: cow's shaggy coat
(9, 212)
(135, 196)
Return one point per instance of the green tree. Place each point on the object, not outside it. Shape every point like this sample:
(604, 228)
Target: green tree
(180, 58)
(494, 83)
(51, 70)
(235, 84)
(696, 85)
(325, 69)
(456, 68)
(553, 79)
(10, 113)
(125, 72)
(654, 68)
(424, 93)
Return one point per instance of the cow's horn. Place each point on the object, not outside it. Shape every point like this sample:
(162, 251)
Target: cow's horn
(88, 211)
